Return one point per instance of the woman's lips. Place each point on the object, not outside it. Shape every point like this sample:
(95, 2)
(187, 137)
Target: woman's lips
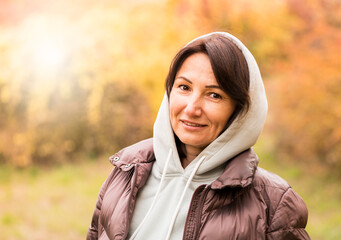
(192, 124)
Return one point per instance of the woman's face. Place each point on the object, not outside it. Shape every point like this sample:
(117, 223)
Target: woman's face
(199, 108)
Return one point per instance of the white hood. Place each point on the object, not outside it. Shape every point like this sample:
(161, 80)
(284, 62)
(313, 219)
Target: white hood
(162, 205)
(239, 136)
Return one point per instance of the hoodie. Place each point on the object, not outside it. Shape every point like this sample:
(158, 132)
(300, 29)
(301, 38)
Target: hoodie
(162, 205)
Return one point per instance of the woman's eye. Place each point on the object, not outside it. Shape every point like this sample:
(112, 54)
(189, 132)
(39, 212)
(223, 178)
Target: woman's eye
(215, 95)
(184, 87)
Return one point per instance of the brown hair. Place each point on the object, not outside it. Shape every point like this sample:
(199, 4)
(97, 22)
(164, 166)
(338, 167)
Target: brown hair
(228, 64)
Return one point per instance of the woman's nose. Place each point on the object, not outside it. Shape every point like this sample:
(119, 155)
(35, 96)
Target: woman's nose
(193, 106)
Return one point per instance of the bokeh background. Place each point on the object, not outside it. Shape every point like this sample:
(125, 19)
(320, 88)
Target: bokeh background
(80, 79)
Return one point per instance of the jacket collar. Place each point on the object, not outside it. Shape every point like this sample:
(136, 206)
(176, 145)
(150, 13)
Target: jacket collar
(141, 152)
(239, 171)
(140, 155)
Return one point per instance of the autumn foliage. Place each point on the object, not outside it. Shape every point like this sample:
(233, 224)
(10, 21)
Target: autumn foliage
(86, 78)
(306, 90)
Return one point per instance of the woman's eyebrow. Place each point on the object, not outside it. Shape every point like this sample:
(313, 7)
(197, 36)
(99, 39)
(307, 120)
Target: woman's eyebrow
(184, 78)
(213, 86)
(187, 80)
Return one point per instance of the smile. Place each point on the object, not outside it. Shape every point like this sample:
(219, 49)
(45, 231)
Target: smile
(192, 124)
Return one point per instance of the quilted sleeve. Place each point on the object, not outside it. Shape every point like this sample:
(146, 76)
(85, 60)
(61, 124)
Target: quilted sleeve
(290, 218)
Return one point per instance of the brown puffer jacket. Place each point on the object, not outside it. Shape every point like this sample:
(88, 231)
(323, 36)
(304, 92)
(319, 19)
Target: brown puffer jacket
(245, 202)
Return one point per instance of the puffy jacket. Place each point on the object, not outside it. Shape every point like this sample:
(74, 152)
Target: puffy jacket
(245, 202)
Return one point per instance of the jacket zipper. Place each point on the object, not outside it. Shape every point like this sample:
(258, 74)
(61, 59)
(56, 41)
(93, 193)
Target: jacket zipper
(133, 181)
(199, 209)
(198, 212)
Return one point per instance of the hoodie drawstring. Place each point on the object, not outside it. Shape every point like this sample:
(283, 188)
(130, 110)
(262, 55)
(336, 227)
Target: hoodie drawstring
(182, 196)
(156, 195)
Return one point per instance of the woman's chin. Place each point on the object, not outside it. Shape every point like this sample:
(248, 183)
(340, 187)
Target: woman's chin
(194, 143)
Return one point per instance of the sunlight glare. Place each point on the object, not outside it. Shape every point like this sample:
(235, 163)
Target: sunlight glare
(46, 47)
(48, 55)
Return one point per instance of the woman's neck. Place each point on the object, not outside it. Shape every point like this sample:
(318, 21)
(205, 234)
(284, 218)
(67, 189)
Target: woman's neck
(190, 153)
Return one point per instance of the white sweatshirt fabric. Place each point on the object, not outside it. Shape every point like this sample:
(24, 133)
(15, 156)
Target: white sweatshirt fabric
(162, 205)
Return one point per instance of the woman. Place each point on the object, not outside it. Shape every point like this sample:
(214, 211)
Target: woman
(198, 177)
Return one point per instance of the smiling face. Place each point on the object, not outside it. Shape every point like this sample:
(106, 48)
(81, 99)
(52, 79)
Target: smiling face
(199, 108)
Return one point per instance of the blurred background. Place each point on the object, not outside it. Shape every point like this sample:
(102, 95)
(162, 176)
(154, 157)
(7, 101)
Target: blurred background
(80, 79)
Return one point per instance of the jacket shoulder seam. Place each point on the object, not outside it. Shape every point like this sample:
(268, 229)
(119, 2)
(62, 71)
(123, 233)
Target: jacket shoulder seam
(279, 202)
(261, 177)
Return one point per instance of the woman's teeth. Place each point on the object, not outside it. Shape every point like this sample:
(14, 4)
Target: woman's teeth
(192, 124)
